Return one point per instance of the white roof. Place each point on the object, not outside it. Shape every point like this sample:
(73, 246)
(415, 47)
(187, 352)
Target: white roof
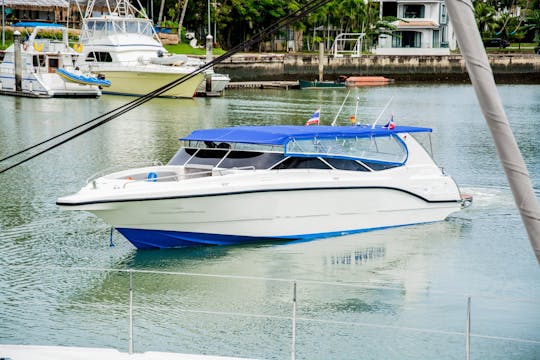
(37, 3)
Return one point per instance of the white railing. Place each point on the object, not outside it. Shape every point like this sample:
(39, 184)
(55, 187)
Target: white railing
(348, 43)
(293, 318)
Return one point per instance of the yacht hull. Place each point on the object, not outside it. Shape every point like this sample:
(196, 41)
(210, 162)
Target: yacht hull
(140, 83)
(262, 215)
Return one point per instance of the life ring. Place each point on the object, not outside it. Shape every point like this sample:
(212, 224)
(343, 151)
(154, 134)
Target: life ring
(78, 47)
(38, 46)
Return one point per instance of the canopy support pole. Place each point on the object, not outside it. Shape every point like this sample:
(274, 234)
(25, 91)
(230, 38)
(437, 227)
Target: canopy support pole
(462, 16)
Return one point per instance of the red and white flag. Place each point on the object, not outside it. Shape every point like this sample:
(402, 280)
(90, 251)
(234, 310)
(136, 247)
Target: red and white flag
(390, 124)
(315, 118)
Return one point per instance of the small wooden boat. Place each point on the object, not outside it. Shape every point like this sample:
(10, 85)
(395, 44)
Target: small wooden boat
(353, 81)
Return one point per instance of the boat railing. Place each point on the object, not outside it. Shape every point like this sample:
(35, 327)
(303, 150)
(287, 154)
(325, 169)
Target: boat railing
(189, 173)
(118, 302)
(115, 168)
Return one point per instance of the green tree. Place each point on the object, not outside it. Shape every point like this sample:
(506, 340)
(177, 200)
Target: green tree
(485, 15)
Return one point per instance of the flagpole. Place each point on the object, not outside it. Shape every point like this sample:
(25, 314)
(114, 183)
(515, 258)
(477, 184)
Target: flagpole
(356, 108)
(341, 108)
(382, 112)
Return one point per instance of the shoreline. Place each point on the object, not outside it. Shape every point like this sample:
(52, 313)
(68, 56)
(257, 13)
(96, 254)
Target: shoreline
(507, 69)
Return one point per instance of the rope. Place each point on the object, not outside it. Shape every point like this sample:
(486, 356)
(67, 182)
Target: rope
(108, 116)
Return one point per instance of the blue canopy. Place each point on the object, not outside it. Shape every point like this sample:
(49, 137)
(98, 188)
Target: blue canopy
(35, 24)
(282, 134)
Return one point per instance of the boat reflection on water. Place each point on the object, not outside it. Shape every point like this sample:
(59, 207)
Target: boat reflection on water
(185, 299)
(358, 257)
(393, 258)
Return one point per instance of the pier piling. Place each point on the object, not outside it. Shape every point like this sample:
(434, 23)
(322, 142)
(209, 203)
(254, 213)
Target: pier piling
(17, 60)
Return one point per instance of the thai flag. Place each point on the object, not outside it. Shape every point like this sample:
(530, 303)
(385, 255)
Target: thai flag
(390, 124)
(315, 118)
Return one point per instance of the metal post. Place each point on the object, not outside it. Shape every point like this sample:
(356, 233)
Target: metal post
(18, 60)
(130, 350)
(209, 30)
(293, 345)
(3, 25)
(321, 60)
(209, 50)
(468, 330)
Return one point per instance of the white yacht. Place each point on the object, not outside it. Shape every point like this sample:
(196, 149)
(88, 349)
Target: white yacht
(261, 183)
(44, 62)
(125, 47)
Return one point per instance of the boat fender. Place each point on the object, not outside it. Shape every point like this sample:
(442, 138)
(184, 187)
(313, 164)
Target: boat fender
(38, 47)
(78, 47)
(25, 46)
(152, 176)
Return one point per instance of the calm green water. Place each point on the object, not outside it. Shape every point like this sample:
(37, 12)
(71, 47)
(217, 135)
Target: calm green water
(392, 294)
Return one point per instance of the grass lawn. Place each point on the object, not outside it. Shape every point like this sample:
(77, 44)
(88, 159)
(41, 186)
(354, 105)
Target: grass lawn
(185, 48)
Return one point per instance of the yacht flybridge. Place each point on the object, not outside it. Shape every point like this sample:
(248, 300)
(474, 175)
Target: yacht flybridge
(261, 183)
(124, 46)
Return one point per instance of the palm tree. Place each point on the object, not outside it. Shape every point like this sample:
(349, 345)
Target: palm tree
(485, 15)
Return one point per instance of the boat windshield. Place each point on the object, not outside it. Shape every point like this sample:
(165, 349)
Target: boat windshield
(383, 149)
(354, 154)
(108, 26)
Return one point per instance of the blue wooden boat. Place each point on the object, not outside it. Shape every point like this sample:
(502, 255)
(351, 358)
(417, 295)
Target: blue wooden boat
(306, 84)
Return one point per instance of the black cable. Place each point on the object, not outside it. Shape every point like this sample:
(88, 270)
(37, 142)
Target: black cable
(286, 20)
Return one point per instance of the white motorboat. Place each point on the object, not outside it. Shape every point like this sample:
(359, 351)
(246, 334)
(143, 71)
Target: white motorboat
(125, 47)
(261, 183)
(40, 60)
(218, 81)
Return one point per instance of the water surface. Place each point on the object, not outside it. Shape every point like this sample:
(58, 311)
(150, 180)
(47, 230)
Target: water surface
(396, 294)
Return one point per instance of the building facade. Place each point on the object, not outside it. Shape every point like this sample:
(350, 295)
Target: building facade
(423, 28)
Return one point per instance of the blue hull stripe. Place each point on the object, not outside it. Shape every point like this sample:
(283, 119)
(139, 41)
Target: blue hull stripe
(163, 239)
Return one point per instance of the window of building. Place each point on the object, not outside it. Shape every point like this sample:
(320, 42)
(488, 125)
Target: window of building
(444, 15)
(407, 39)
(389, 9)
(413, 11)
(436, 39)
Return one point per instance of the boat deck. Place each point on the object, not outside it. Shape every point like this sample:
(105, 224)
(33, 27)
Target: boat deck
(263, 85)
(34, 352)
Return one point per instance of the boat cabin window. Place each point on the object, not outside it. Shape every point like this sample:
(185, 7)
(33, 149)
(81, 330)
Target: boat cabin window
(381, 149)
(98, 56)
(224, 158)
(258, 160)
(206, 156)
(346, 164)
(39, 61)
(301, 163)
(132, 27)
(53, 63)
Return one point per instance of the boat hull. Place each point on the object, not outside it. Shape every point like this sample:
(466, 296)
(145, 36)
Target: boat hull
(263, 215)
(305, 84)
(139, 83)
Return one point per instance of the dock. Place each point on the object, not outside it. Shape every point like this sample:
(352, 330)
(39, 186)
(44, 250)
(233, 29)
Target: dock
(263, 85)
(22, 94)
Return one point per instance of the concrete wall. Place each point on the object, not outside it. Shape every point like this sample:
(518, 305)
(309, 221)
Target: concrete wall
(521, 68)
